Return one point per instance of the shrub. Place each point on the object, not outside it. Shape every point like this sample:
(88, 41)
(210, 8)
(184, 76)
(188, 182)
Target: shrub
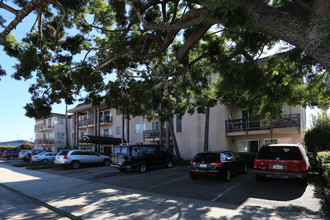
(324, 165)
(36, 166)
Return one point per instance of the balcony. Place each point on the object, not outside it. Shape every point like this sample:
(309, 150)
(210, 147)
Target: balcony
(106, 120)
(44, 141)
(249, 126)
(103, 121)
(152, 135)
(43, 127)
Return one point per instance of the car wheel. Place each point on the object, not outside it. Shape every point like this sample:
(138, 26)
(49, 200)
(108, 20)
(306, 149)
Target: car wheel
(122, 169)
(245, 169)
(142, 168)
(120, 160)
(169, 164)
(227, 175)
(75, 164)
(106, 162)
(45, 161)
(194, 176)
(10, 157)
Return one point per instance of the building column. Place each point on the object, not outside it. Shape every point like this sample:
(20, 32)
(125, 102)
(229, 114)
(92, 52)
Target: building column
(127, 130)
(95, 127)
(123, 128)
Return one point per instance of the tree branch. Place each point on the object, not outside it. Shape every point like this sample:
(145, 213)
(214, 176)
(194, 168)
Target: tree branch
(8, 8)
(20, 15)
(61, 21)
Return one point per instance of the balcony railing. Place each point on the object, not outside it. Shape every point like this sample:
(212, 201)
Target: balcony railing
(104, 120)
(249, 124)
(43, 127)
(44, 141)
(154, 135)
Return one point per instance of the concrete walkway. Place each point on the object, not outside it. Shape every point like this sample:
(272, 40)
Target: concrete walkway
(81, 199)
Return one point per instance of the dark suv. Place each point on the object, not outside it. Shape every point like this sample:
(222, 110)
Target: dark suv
(281, 161)
(141, 157)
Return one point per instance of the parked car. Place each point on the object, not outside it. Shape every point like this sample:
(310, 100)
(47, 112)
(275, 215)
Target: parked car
(75, 158)
(141, 157)
(44, 157)
(281, 161)
(221, 164)
(25, 155)
(11, 154)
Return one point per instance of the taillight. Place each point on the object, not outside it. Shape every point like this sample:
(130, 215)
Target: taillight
(65, 157)
(255, 165)
(217, 163)
(303, 166)
(36, 157)
(192, 162)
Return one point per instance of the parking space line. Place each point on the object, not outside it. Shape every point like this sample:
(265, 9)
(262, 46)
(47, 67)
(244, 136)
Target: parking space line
(221, 194)
(171, 181)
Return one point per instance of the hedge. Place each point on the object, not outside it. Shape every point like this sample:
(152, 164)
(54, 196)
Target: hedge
(323, 159)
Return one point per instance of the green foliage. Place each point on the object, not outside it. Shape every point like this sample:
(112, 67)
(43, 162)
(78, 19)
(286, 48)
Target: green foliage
(104, 52)
(318, 137)
(324, 160)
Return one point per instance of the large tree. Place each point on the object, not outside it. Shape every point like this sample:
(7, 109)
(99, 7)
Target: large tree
(170, 45)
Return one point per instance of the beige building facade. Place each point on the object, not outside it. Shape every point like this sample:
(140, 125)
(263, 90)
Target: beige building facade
(50, 133)
(230, 128)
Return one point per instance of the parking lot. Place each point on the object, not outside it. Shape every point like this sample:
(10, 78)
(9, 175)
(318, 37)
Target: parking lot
(177, 182)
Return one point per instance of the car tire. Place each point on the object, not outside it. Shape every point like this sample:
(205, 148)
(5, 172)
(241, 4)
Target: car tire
(194, 176)
(122, 169)
(245, 169)
(142, 168)
(169, 164)
(10, 158)
(120, 160)
(75, 164)
(106, 162)
(227, 175)
(45, 161)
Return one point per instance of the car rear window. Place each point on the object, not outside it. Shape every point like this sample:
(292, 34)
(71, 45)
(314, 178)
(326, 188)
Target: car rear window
(208, 158)
(280, 153)
(64, 152)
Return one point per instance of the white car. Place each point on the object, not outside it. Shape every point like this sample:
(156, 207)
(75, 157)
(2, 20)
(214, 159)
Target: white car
(44, 157)
(75, 158)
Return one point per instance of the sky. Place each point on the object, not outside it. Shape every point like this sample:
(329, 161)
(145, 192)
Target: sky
(14, 95)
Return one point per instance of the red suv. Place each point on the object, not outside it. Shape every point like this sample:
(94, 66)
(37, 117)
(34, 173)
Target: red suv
(11, 154)
(281, 161)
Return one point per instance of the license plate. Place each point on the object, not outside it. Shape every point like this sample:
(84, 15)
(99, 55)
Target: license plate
(202, 165)
(278, 167)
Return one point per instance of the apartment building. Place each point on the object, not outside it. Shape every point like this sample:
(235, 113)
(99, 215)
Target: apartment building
(50, 133)
(230, 128)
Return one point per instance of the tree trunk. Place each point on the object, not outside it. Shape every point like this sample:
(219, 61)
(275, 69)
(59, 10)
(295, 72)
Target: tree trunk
(206, 129)
(175, 144)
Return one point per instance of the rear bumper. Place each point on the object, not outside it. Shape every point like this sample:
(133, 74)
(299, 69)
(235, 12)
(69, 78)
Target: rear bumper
(273, 174)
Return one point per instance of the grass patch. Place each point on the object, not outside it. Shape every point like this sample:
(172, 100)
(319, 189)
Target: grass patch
(41, 165)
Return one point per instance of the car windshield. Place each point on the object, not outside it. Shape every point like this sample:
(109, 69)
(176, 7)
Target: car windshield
(208, 158)
(280, 153)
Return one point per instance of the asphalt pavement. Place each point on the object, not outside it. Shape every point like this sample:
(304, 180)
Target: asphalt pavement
(73, 198)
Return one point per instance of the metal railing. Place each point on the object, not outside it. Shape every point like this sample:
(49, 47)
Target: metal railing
(43, 127)
(250, 124)
(103, 121)
(154, 135)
